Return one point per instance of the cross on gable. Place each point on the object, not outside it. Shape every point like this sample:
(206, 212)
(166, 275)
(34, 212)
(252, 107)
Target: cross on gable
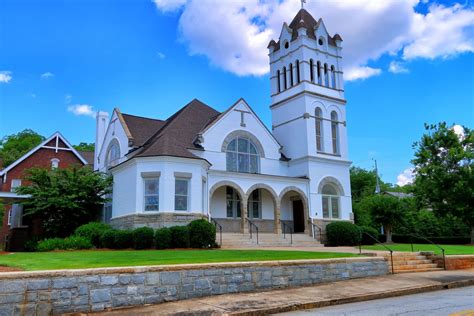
(242, 116)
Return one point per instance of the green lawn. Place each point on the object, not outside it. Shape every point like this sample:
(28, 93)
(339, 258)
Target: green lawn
(449, 249)
(100, 259)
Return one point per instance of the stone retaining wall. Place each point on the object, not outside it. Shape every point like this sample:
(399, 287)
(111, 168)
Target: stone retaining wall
(457, 262)
(65, 291)
(153, 220)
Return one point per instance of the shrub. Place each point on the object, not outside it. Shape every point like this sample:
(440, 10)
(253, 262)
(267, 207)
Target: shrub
(107, 239)
(202, 234)
(143, 238)
(93, 231)
(342, 234)
(123, 239)
(364, 230)
(69, 243)
(163, 238)
(31, 245)
(179, 237)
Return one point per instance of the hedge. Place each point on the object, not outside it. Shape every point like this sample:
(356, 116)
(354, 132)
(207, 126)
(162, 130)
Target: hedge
(143, 238)
(163, 238)
(69, 243)
(342, 234)
(92, 231)
(179, 237)
(202, 234)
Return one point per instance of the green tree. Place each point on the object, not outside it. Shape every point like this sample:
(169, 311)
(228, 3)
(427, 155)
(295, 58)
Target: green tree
(385, 210)
(65, 198)
(14, 146)
(84, 146)
(443, 172)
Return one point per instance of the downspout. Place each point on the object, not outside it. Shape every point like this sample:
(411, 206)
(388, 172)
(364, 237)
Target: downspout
(309, 206)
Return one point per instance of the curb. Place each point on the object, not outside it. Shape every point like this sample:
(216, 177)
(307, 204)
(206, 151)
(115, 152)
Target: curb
(353, 299)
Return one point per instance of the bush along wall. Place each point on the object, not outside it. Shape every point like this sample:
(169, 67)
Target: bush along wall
(197, 234)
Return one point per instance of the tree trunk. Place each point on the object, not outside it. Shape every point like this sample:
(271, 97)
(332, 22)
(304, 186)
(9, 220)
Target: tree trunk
(388, 233)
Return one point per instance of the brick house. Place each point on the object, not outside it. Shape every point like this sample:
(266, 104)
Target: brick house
(54, 152)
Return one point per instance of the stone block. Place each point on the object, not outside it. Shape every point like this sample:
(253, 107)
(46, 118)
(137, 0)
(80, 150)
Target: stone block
(170, 278)
(201, 284)
(194, 273)
(100, 296)
(80, 300)
(64, 283)
(124, 279)
(12, 286)
(120, 301)
(121, 290)
(153, 299)
(24, 309)
(153, 278)
(11, 298)
(138, 278)
(132, 290)
(43, 309)
(40, 284)
(83, 289)
(89, 279)
(109, 280)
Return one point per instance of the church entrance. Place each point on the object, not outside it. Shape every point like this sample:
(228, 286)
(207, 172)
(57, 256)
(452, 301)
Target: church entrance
(298, 216)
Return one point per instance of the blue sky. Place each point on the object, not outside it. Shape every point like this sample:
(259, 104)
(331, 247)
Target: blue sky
(151, 58)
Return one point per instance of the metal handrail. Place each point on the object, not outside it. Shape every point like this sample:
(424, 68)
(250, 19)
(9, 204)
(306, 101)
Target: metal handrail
(320, 232)
(285, 226)
(216, 224)
(378, 242)
(422, 237)
(250, 228)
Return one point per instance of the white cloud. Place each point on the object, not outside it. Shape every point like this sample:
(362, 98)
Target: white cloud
(397, 67)
(5, 76)
(361, 73)
(47, 75)
(406, 177)
(82, 110)
(160, 55)
(234, 35)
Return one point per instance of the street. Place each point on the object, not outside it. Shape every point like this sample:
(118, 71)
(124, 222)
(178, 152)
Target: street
(458, 301)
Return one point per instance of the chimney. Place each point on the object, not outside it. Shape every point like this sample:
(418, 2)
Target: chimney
(102, 119)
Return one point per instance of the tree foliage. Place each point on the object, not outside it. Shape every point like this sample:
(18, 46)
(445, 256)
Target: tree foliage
(14, 146)
(443, 169)
(385, 210)
(84, 146)
(65, 198)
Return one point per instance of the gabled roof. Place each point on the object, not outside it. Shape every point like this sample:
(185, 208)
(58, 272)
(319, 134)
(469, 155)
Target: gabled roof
(88, 156)
(141, 128)
(44, 145)
(178, 132)
(304, 19)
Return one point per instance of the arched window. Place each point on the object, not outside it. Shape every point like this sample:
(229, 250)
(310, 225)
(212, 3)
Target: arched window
(333, 77)
(285, 82)
(319, 129)
(334, 132)
(318, 65)
(113, 154)
(242, 156)
(326, 75)
(291, 76)
(298, 80)
(255, 204)
(54, 163)
(311, 70)
(331, 201)
(233, 203)
(278, 81)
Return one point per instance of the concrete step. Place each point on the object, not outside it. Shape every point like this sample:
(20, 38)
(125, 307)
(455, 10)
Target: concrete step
(415, 267)
(411, 262)
(418, 270)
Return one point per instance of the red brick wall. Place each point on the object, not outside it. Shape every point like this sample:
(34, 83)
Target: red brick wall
(455, 262)
(41, 158)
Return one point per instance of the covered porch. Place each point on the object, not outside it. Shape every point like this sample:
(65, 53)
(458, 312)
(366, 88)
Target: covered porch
(272, 206)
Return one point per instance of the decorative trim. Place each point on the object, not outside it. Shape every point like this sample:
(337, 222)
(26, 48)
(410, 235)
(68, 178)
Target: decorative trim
(308, 92)
(155, 174)
(333, 181)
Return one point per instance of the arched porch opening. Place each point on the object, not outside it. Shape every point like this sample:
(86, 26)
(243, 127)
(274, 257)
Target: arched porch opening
(227, 205)
(263, 208)
(294, 210)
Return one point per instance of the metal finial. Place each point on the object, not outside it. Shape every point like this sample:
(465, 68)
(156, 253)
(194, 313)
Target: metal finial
(302, 3)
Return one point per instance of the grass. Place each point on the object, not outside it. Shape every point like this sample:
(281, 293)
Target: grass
(124, 258)
(449, 249)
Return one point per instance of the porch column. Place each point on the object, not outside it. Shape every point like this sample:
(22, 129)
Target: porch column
(277, 228)
(244, 225)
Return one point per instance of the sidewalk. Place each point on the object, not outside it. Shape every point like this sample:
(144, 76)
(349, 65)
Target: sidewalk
(277, 301)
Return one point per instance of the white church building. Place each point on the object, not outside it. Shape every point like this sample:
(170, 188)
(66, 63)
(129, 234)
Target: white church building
(229, 166)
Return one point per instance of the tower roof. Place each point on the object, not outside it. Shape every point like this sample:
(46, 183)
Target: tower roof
(304, 19)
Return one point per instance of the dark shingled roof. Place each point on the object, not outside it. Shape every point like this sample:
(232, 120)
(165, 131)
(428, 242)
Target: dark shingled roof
(88, 156)
(304, 19)
(141, 128)
(178, 132)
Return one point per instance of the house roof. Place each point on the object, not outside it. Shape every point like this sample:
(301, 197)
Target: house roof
(141, 128)
(304, 19)
(400, 195)
(88, 156)
(44, 144)
(177, 134)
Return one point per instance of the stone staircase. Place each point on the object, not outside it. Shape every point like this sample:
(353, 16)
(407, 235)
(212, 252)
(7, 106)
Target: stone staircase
(405, 262)
(239, 240)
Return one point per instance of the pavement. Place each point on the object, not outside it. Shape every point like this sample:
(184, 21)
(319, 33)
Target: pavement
(453, 302)
(303, 298)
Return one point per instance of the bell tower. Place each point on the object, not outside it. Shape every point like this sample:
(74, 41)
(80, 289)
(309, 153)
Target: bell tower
(307, 90)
